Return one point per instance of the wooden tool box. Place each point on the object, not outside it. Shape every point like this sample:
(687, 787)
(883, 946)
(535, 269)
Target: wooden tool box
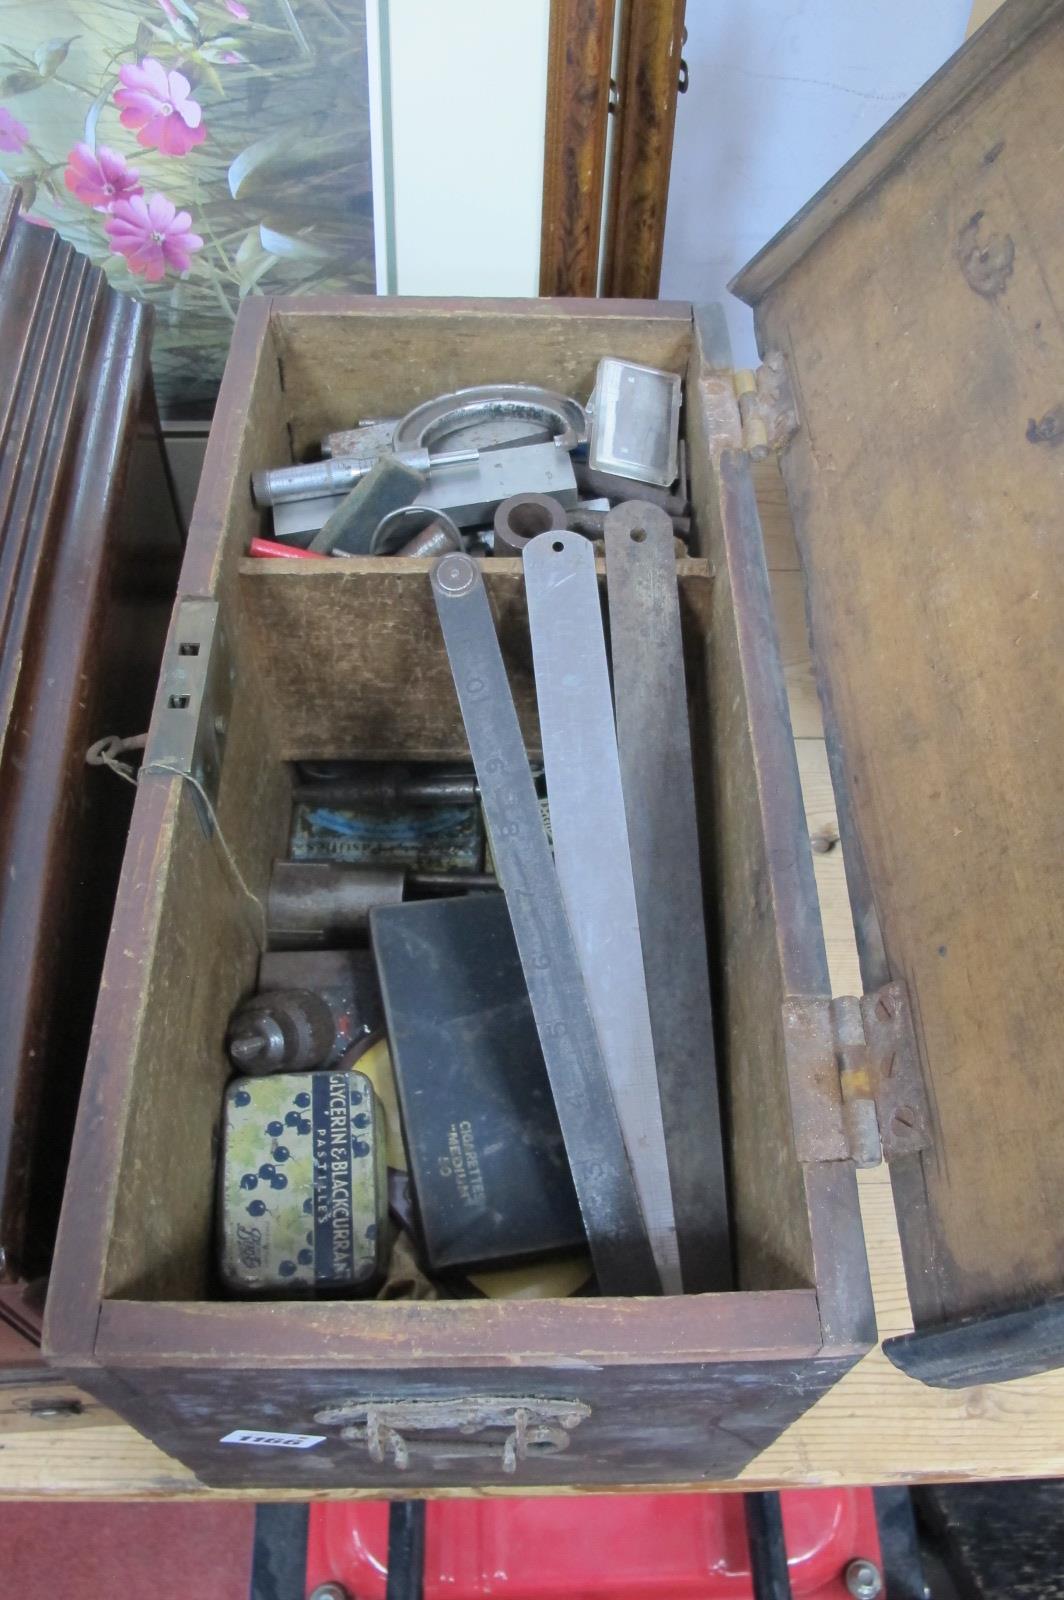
(917, 401)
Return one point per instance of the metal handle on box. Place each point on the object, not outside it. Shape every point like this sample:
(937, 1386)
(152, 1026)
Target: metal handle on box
(440, 1431)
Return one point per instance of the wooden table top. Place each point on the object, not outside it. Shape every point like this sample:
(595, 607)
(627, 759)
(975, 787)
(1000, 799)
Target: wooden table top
(876, 1426)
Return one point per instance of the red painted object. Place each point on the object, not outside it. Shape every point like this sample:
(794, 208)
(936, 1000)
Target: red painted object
(273, 547)
(596, 1547)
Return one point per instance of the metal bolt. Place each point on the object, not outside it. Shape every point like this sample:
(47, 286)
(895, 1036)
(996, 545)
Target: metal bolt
(56, 1408)
(864, 1580)
(329, 1591)
(456, 574)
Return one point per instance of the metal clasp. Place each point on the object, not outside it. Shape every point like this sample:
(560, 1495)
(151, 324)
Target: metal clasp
(439, 1431)
(191, 716)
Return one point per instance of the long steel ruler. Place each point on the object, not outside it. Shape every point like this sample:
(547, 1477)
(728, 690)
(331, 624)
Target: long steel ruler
(654, 739)
(592, 857)
(617, 1235)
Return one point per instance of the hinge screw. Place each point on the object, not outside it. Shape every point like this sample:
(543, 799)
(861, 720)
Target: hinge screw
(864, 1580)
(329, 1591)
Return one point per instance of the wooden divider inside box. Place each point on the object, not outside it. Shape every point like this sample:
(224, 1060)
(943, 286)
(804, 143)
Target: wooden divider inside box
(345, 662)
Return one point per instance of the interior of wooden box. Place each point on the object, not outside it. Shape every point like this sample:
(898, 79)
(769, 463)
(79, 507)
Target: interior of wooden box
(345, 660)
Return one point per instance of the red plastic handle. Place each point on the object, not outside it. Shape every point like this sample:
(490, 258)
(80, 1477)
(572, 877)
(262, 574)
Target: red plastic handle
(270, 547)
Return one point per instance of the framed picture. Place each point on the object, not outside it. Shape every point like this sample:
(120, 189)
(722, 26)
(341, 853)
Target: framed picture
(198, 151)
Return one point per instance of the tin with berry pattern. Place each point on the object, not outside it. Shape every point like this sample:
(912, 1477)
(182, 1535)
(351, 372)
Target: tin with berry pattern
(303, 1185)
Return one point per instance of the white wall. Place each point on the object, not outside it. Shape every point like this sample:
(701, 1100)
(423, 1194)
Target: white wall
(782, 93)
(463, 90)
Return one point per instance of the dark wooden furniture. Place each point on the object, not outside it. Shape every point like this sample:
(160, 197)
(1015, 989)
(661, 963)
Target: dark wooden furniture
(581, 97)
(86, 585)
(650, 76)
(574, 150)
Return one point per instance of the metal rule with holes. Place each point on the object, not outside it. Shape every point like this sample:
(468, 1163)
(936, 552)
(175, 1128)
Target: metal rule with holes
(654, 740)
(616, 1232)
(592, 857)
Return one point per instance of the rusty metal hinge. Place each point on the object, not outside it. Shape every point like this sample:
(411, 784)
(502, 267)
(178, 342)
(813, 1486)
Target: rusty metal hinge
(748, 410)
(857, 1093)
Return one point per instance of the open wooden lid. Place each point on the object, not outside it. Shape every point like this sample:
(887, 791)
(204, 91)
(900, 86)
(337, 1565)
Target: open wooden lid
(919, 301)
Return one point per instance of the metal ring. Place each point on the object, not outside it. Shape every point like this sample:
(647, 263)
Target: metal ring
(522, 517)
(433, 420)
(387, 535)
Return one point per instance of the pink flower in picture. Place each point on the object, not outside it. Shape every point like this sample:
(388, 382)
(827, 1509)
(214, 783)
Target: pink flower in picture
(168, 9)
(100, 178)
(159, 106)
(13, 133)
(237, 9)
(152, 235)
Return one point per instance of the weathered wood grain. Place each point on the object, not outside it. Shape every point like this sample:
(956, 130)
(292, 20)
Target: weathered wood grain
(928, 493)
(648, 79)
(875, 1426)
(579, 57)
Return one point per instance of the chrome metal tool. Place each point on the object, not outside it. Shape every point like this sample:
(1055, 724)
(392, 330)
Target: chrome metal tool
(314, 479)
(434, 420)
(594, 1144)
(592, 857)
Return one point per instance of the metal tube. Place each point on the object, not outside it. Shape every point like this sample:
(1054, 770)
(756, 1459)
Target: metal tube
(591, 482)
(435, 540)
(592, 524)
(451, 882)
(385, 785)
(314, 905)
(769, 1575)
(522, 517)
(406, 1550)
(314, 479)
(437, 534)
(323, 905)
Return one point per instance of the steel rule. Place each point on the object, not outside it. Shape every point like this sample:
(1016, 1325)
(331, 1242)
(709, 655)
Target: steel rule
(592, 857)
(617, 1235)
(654, 740)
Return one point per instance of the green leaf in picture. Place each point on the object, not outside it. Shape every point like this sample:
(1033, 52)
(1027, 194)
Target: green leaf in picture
(29, 193)
(257, 156)
(261, 166)
(224, 49)
(20, 82)
(182, 31)
(145, 35)
(290, 247)
(209, 71)
(251, 262)
(186, 11)
(92, 116)
(51, 55)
